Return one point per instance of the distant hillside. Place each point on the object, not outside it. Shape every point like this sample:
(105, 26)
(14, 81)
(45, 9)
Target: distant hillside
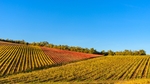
(61, 47)
(64, 56)
(15, 58)
(80, 49)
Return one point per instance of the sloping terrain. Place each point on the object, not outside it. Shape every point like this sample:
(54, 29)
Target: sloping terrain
(96, 70)
(16, 58)
(64, 56)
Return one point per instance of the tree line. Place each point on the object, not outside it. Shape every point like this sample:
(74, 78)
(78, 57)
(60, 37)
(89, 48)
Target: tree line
(66, 47)
(125, 52)
(14, 41)
(78, 49)
(62, 47)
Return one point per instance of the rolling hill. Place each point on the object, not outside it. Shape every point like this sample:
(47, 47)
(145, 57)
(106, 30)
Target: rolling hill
(110, 69)
(21, 63)
(15, 58)
(64, 56)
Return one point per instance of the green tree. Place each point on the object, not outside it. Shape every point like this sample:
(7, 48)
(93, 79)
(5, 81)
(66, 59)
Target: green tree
(142, 52)
(110, 52)
(103, 52)
(92, 51)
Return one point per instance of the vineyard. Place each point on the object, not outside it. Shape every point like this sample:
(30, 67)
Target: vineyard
(15, 58)
(93, 70)
(64, 56)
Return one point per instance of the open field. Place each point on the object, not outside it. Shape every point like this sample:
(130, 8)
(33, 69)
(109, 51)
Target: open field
(111, 68)
(15, 58)
(20, 58)
(65, 56)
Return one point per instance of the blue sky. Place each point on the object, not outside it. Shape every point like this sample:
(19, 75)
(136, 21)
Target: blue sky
(101, 24)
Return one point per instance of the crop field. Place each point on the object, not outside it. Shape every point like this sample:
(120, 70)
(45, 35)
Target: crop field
(16, 58)
(64, 56)
(93, 70)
